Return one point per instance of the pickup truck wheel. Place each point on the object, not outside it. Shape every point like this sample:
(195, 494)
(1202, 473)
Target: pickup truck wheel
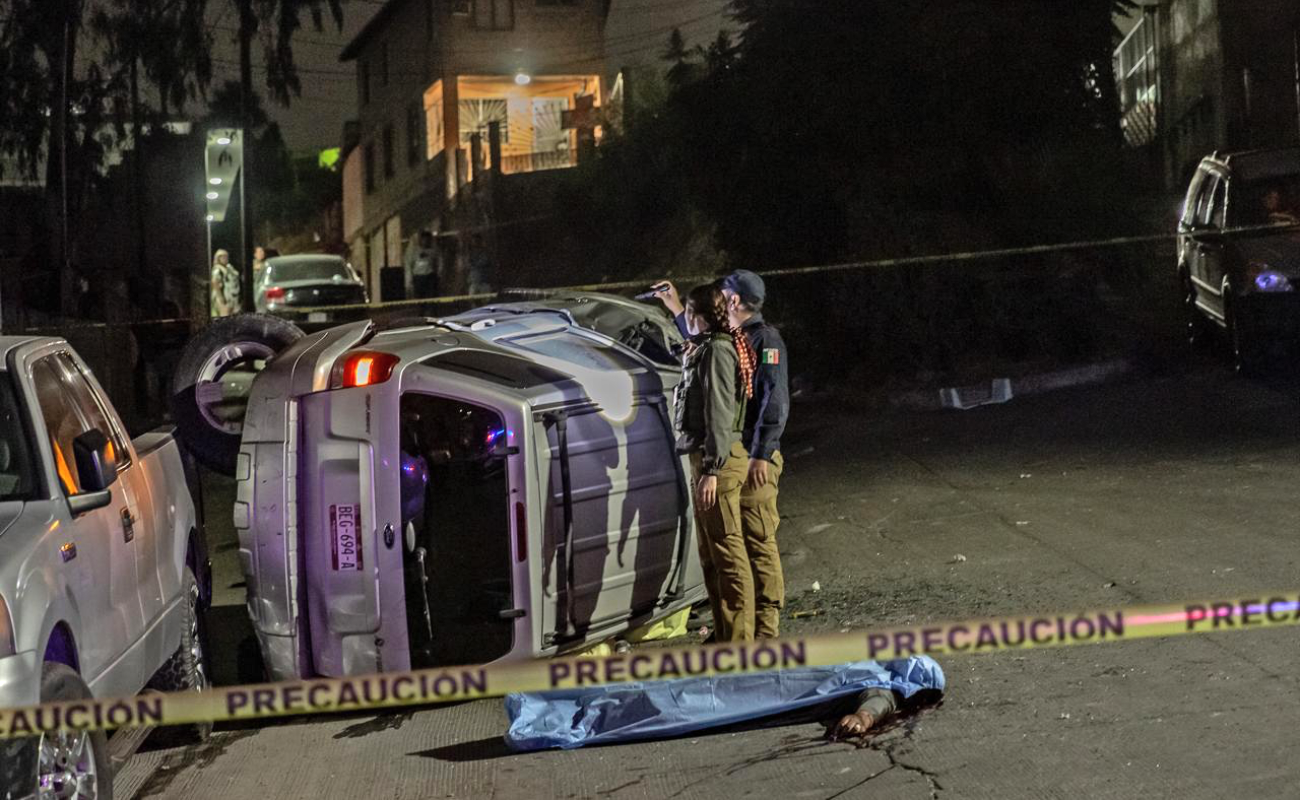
(67, 764)
(187, 668)
(210, 387)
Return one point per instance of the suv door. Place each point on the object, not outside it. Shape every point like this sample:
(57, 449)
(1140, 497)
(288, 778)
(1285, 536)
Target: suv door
(102, 573)
(1210, 239)
(1202, 247)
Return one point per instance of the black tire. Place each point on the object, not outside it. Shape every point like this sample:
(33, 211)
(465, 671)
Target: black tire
(226, 347)
(57, 760)
(187, 670)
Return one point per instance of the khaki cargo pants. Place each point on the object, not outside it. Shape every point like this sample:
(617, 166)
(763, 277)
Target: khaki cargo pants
(728, 575)
(759, 520)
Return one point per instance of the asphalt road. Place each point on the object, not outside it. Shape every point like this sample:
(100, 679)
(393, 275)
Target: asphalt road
(1156, 489)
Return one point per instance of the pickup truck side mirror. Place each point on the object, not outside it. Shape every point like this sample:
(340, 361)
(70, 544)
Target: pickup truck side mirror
(96, 461)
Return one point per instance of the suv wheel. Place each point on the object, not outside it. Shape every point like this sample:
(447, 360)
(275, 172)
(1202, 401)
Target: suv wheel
(211, 382)
(187, 669)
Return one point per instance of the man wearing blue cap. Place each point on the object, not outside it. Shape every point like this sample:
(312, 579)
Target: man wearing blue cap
(765, 418)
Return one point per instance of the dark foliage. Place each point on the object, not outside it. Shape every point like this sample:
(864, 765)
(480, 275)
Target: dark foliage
(826, 131)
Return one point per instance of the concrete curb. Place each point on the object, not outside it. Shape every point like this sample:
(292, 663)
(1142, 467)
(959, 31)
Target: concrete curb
(996, 391)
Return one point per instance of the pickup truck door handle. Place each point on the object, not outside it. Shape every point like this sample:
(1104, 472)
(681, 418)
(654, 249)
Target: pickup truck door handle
(128, 525)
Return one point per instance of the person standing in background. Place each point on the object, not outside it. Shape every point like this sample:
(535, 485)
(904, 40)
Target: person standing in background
(259, 264)
(481, 279)
(225, 286)
(422, 267)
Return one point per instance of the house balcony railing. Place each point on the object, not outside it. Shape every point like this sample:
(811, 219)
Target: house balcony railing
(1139, 124)
(537, 162)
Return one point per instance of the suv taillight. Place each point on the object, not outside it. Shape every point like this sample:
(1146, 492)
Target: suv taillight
(362, 368)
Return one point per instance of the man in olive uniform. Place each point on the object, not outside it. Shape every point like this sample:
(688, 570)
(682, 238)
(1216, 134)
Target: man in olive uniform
(765, 418)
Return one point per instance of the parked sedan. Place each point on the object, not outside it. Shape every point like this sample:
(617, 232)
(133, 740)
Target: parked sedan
(293, 285)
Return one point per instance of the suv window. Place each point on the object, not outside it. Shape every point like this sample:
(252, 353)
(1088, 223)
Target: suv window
(1216, 204)
(1194, 191)
(1266, 201)
(1204, 202)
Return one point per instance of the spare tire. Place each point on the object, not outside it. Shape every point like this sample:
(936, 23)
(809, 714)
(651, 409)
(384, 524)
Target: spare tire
(210, 386)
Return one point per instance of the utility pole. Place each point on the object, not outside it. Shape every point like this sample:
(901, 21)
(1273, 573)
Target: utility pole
(247, 27)
(66, 266)
(1295, 45)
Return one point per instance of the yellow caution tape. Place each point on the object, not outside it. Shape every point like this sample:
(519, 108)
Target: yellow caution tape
(417, 687)
(845, 266)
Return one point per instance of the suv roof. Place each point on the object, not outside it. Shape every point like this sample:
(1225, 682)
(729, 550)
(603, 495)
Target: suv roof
(1262, 163)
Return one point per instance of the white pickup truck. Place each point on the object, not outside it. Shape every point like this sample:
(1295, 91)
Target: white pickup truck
(103, 568)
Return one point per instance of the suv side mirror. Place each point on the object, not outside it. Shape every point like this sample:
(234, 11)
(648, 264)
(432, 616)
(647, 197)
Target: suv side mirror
(96, 461)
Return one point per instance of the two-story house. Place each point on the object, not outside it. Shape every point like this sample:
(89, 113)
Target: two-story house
(1200, 75)
(432, 76)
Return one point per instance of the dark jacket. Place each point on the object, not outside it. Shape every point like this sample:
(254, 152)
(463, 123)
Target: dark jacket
(769, 408)
(710, 402)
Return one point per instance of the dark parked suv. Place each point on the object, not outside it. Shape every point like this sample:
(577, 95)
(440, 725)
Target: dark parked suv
(1239, 250)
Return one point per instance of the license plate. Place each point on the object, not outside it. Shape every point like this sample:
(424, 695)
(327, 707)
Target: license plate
(317, 316)
(347, 547)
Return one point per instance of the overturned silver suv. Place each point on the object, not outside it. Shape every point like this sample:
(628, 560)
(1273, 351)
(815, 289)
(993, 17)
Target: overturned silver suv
(501, 484)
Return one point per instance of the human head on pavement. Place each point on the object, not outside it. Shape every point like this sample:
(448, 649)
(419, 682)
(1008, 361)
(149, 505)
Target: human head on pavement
(745, 295)
(706, 309)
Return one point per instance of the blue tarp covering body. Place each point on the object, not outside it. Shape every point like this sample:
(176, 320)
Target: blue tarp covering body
(660, 709)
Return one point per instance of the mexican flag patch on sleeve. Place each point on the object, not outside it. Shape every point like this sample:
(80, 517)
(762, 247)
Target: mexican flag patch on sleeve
(771, 356)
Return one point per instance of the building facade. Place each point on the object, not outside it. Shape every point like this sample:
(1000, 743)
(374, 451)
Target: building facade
(1202, 75)
(435, 78)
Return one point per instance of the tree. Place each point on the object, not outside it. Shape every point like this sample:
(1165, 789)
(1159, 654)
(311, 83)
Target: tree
(279, 19)
(166, 43)
(832, 131)
(68, 68)
(51, 111)
(677, 55)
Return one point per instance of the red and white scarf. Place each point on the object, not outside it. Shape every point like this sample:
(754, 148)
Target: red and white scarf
(748, 361)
